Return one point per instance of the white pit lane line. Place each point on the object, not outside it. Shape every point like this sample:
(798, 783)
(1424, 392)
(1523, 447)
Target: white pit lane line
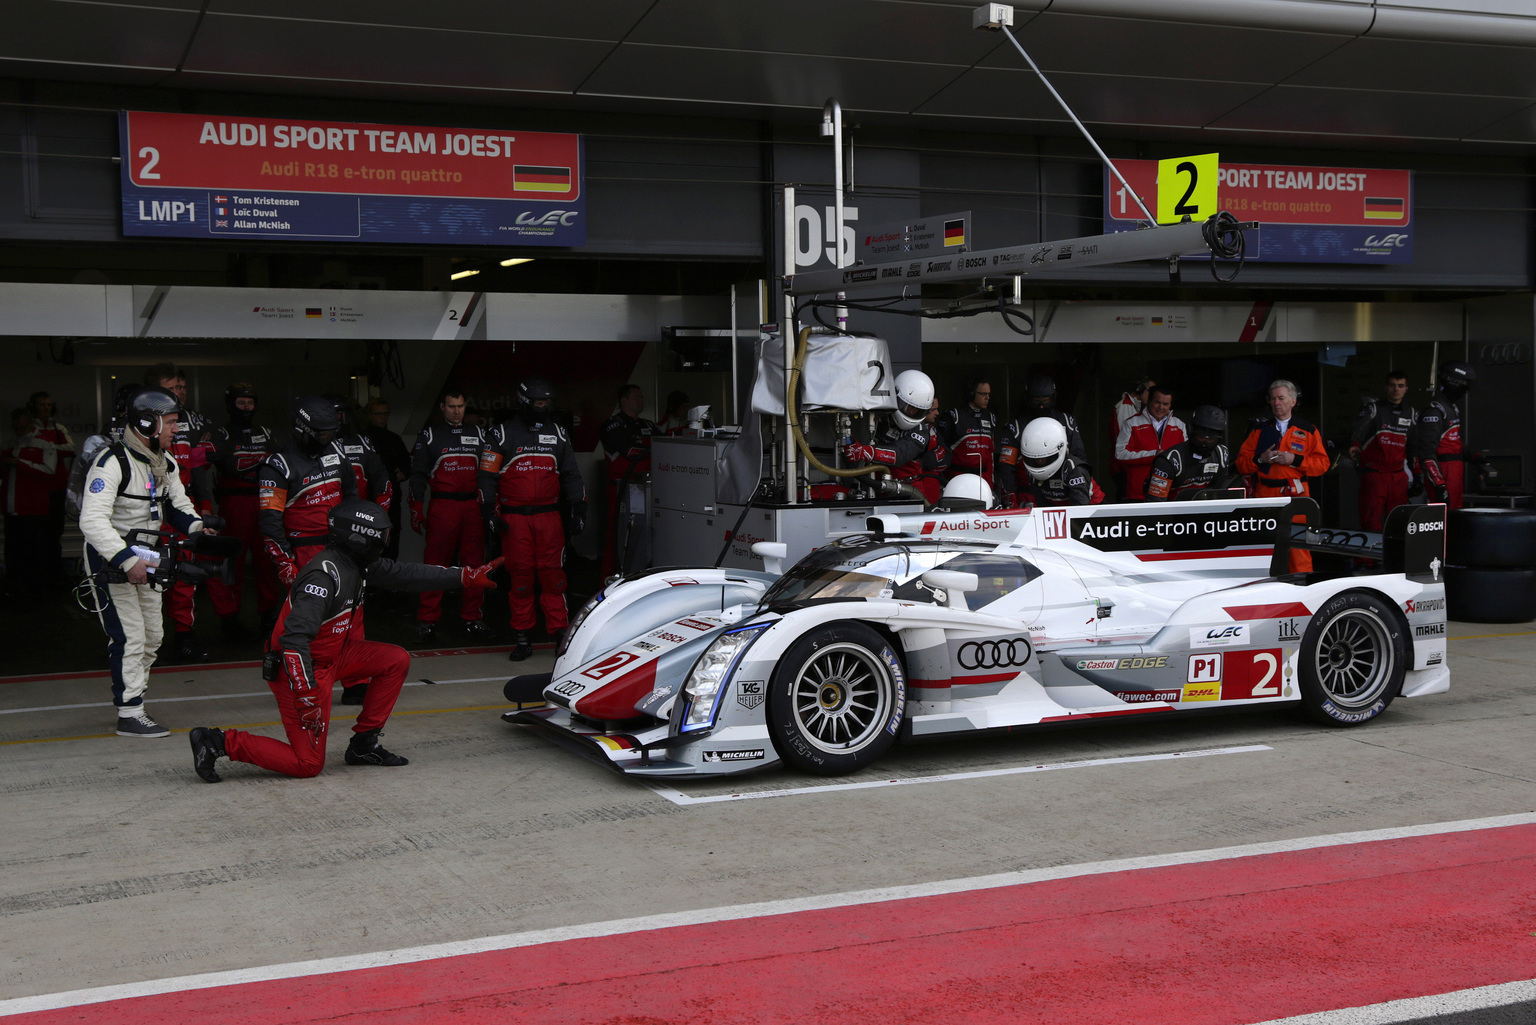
(680, 798)
(423, 682)
(1414, 1009)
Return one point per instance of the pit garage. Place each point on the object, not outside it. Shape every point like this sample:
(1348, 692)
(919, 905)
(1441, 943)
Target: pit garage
(708, 186)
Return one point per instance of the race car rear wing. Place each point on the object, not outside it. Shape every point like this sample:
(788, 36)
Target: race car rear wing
(1412, 541)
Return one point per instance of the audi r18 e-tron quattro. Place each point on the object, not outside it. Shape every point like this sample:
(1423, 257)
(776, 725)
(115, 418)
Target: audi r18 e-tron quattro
(938, 625)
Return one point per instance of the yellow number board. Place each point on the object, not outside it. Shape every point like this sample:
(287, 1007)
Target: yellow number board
(1186, 187)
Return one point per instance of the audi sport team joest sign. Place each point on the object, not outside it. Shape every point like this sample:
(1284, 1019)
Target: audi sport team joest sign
(1306, 214)
(190, 176)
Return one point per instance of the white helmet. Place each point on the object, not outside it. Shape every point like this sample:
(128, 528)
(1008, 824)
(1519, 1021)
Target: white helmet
(967, 488)
(1044, 447)
(914, 397)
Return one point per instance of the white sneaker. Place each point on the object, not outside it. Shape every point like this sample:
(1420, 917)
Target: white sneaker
(135, 722)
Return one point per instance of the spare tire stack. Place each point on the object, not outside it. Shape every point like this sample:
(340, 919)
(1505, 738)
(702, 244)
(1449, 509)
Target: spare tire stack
(1490, 573)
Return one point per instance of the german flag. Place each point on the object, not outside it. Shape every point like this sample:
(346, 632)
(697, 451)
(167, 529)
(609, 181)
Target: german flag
(312, 313)
(954, 233)
(527, 178)
(1379, 208)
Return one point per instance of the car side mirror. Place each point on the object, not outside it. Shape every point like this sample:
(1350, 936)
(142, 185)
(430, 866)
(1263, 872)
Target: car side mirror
(773, 554)
(953, 583)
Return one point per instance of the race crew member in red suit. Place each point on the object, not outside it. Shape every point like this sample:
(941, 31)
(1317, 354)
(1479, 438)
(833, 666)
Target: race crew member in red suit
(40, 406)
(373, 480)
(1282, 451)
(1142, 437)
(1050, 475)
(318, 642)
(238, 449)
(1379, 447)
(300, 484)
(26, 474)
(1200, 462)
(190, 450)
(445, 466)
(970, 434)
(1437, 442)
(626, 438)
(1131, 403)
(527, 467)
(908, 444)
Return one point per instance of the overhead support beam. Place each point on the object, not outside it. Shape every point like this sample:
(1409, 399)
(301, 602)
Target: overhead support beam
(1163, 243)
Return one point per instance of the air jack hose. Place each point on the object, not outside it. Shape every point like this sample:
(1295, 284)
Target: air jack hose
(794, 419)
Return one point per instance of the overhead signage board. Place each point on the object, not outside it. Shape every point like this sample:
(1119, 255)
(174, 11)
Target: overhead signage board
(942, 233)
(1306, 214)
(191, 176)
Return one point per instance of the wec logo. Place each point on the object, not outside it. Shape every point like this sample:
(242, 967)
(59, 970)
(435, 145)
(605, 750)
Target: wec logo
(554, 218)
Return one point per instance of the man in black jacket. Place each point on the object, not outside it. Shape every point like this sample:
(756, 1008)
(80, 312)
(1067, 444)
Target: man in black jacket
(318, 643)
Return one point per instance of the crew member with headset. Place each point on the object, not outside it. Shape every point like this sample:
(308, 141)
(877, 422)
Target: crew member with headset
(373, 479)
(527, 468)
(1142, 437)
(1051, 474)
(626, 438)
(1283, 451)
(1379, 447)
(908, 443)
(133, 485)
(1202, 461)
(1438, 444)
(445, 466)
(318, 643)
(970, 433)
(190, 450)
(239, 448)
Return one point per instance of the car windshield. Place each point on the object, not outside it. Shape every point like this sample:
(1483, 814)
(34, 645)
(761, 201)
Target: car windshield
(865, 571)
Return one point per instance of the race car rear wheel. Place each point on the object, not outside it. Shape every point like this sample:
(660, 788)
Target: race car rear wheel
(836, 699)
(1353, 657)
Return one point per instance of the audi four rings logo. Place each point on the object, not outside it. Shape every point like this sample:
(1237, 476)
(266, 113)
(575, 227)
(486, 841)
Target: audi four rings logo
(1506, 353)
(1003, 654)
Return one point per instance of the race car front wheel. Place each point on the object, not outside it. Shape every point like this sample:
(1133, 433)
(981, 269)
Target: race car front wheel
(1353, 657)
(836, 700)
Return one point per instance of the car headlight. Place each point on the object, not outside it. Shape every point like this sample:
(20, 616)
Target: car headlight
(576, 621)
(707, 679)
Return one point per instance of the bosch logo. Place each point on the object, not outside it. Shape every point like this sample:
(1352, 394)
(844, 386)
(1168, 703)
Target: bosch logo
(1009, 653)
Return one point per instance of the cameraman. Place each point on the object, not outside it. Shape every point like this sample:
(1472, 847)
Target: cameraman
(133, 485)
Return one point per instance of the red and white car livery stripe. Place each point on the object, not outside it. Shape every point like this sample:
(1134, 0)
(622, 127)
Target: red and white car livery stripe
(608, 687)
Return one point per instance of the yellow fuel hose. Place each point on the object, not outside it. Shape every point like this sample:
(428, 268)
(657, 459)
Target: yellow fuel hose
(794, 419)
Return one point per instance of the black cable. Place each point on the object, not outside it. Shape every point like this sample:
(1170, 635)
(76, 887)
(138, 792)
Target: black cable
(1226, 242)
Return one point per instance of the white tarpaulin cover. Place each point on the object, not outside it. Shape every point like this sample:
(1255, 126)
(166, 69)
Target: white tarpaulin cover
(841, 372)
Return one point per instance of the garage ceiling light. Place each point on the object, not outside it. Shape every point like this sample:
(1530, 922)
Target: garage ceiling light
(516, 260)
(462, 274)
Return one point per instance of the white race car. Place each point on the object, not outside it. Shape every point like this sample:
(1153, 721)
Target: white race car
(938, 625)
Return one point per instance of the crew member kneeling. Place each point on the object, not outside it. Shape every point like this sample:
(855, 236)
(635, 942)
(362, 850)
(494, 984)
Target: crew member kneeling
(1051, 476)
(318, 643)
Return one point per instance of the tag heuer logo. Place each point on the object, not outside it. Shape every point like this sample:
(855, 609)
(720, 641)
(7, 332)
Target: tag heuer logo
(749, 693)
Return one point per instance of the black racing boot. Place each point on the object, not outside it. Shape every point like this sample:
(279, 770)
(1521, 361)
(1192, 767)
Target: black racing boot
(187, 649)
(522, 647)
(476, 628)
(207, 748)
(365, 750)
(426, 632)
(354, 694)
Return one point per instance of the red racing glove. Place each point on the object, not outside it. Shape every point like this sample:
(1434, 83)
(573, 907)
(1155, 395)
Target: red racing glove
(287, 571)
(857, 453)
(480, 576)
(417, 520)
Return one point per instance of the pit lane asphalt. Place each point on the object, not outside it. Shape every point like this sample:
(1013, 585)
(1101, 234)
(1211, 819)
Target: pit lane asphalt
(121, 866)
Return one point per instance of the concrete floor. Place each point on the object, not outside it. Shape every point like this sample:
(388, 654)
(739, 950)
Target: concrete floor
(120, 865)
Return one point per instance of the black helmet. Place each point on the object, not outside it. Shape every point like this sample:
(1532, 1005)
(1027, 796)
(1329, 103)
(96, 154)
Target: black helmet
(1206, 429)
(1041, 386)
(529, 391)
(145, 408)
(1457, 376)
(239, 390)
(120, 400)
(359, 528)
(315, 423)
